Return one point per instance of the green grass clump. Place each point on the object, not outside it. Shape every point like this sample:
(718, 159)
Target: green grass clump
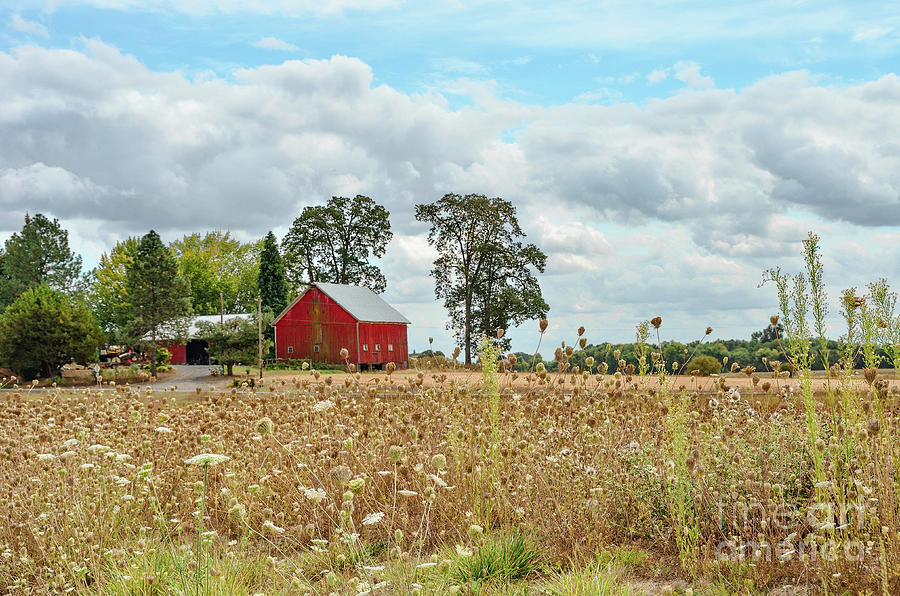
(503, 559)
(171, 570)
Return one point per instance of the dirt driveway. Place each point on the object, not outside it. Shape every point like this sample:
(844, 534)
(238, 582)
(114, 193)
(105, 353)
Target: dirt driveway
(190, 376)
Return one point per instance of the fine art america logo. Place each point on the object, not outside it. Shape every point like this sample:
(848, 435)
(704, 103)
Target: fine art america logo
(822, 532)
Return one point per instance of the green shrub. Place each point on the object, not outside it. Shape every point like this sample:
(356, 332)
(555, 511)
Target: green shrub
(706, 365)
(43, 330)
(163, 356)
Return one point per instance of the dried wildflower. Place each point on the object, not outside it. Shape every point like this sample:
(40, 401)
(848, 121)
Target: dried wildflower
(237, 512)
(463, 551)
(656, 322)
(323, 405)
(357, 485)
(870, 374)
(316, 495)
(873, 427)
(475, 531)
(345, 353)
(373, 518)
(269, 527)
(265, 426)
(542, 324)
(207, 459)
(340, 475)
(439, 461)
(395, 452)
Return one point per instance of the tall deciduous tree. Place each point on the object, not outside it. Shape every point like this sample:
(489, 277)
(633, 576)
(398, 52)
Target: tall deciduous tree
(39, 254)
(109, 293)
(158, 293)
(43, 330)
(216, 264)
(272, 283)
(334, 243)
(483, 272)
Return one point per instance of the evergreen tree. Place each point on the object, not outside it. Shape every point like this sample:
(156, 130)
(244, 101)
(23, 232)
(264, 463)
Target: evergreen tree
(273, 286)
(6, 288)
(43, 330)
(39, 254)
(160, 297)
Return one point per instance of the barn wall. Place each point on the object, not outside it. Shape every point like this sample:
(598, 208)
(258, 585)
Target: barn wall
(383, 336)
(314, 320)
(178, 350)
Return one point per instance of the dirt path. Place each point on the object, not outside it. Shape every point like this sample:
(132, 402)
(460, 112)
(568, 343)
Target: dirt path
(188, 377)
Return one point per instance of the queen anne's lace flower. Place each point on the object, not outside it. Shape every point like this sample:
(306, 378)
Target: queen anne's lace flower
(207, 459)
(373, 518)
(316, 495)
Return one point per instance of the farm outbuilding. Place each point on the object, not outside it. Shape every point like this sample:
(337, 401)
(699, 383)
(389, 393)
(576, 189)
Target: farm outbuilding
(327, 317)
(195, 351)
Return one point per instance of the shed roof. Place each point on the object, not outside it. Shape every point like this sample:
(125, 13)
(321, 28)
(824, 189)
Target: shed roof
(363, 304)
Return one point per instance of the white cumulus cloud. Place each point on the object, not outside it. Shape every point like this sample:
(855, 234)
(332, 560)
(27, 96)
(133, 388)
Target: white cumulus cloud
(273, 43)
(25, 26)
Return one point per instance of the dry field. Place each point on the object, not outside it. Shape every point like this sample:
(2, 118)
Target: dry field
(439, 483)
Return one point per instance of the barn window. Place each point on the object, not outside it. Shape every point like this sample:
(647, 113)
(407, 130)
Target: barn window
(290, 349)
(365, 347)
(390, 347)
(316, 348)
(377, 347)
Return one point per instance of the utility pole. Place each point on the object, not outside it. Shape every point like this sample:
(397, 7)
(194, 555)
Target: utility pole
(259, 324)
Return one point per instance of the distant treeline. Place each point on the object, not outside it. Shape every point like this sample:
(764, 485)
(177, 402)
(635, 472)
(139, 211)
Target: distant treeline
(759, 351)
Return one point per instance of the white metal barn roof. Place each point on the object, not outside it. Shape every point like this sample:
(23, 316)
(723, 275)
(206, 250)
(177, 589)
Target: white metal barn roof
(193, 328)
(363, 304)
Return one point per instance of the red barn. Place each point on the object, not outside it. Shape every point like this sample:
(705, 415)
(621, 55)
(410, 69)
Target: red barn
(327, 317)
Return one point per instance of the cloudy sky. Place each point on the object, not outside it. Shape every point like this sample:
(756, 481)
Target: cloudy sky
(662, 153)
